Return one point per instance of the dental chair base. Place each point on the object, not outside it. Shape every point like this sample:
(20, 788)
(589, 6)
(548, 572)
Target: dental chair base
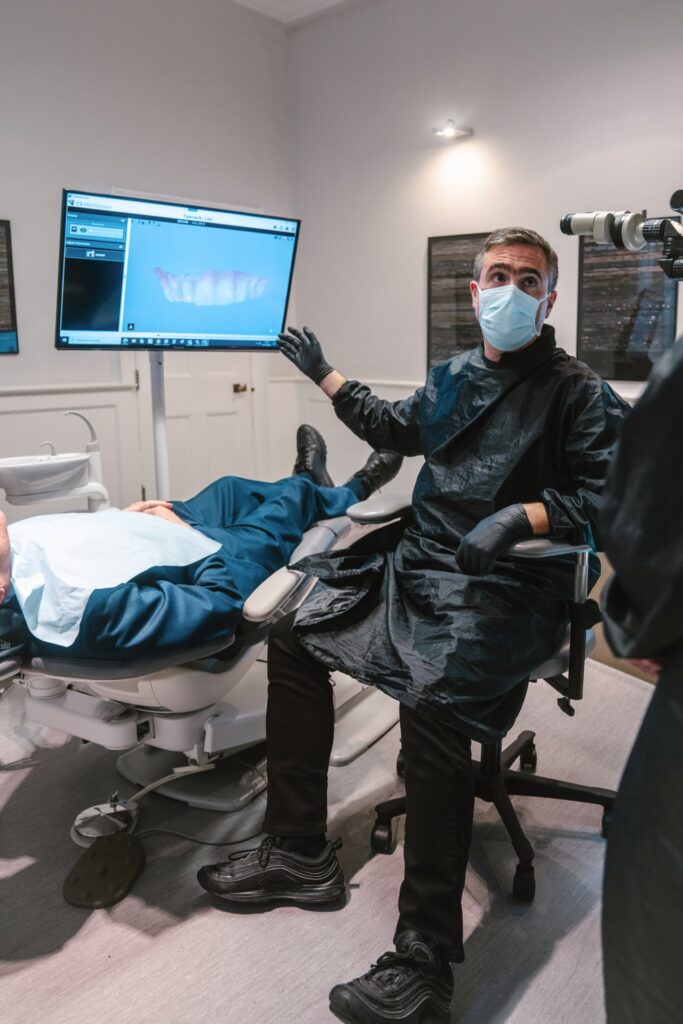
(225, 731)
(362, 716)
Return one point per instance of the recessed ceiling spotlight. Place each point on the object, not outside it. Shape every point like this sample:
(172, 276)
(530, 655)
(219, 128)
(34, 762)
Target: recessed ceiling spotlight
(449, 130)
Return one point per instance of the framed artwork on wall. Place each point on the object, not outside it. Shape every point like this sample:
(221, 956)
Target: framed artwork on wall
(451, 324)
(627, 310)
(9, 340)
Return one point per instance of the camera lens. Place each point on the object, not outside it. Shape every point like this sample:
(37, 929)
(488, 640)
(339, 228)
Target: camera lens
(654, 228)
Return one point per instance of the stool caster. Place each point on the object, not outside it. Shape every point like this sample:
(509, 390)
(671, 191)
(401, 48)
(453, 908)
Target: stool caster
(524, 884)
(606, 822)
(382, 837)
(528, 758)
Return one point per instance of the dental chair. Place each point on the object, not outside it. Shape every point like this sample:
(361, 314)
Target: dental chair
(176, 718)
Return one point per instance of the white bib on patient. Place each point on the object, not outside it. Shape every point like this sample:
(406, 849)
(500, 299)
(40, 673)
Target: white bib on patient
(59, 560)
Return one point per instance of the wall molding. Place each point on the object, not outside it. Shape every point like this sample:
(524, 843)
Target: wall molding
(14, 390)
(370, 382)
(629, 390)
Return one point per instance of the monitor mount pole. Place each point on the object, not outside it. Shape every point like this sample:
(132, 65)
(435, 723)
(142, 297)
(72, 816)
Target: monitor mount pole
(156, 368)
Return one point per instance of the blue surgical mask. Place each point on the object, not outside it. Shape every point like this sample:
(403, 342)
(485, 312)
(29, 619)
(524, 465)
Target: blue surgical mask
(507, 316)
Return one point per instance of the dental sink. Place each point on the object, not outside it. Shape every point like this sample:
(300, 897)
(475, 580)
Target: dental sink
(36, 474)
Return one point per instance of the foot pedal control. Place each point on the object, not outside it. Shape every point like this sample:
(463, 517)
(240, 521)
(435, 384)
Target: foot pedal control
(106, 872)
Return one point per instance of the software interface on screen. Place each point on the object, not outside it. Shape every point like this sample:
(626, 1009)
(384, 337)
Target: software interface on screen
(147, 274)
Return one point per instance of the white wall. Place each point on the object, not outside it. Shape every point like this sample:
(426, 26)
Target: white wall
(575, 105)
(158, 96)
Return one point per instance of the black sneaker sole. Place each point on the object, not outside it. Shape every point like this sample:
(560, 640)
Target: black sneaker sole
(431, 1015)
(341, 1016)
(309, 895)
(440, 1019)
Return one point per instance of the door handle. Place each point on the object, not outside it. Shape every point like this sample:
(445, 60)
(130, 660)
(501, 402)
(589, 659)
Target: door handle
(239, 389)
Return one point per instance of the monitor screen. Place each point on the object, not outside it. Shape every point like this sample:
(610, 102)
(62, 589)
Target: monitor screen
(143, 273)
(9, 339)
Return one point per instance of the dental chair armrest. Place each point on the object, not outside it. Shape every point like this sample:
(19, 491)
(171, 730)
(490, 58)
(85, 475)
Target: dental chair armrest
(544, 547)
(380, 508)
(582, 615)
(272, 594)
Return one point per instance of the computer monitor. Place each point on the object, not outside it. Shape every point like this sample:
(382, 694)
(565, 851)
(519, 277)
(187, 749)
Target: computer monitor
(9, 339)
(141, 273)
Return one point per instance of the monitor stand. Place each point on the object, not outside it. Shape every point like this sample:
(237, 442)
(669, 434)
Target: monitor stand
(156, 368)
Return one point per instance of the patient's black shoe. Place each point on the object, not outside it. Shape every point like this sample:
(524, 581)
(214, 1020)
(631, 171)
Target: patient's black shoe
(311, 456)
(380, 468)
(271, 873)
(409, 986)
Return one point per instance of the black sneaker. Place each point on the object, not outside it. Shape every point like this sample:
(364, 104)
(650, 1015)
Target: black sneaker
(380, 468)
(270, 873)
(311, 456)
(409, 986)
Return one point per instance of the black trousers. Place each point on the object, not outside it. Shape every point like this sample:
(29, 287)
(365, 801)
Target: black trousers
(439, 788)
(642, 923)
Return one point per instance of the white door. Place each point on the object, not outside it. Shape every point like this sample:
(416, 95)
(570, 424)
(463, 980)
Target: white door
(215, 408)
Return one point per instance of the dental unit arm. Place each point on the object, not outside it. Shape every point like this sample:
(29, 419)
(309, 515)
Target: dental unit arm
(30, 479)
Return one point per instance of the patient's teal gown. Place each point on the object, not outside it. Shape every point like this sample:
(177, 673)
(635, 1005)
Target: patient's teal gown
(168, 610)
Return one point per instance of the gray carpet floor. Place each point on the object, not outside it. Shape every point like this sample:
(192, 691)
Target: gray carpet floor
(166, 955)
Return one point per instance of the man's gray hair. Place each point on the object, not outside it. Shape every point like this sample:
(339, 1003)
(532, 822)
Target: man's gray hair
(519, 236)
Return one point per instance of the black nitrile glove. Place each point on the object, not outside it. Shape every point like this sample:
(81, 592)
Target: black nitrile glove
(303, 348)
(480, 547)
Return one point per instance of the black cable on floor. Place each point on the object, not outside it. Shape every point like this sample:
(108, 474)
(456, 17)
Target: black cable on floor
(193, 839)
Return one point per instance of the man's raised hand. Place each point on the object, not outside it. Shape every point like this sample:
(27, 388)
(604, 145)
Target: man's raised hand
(303, 349)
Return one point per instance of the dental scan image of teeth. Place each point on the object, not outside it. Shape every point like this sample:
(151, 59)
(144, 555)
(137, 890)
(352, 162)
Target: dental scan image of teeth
(211, 287)
(201, 275)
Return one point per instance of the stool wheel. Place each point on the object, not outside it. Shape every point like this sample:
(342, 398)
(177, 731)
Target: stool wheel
(382, 837)
(528, 758)
(524, 884)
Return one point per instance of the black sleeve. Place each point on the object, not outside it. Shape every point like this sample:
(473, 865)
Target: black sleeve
(588, 450)
(642, 522)
(390, 426)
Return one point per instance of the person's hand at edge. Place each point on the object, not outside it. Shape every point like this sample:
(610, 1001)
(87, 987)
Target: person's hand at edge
(5, 560)
(648, 666)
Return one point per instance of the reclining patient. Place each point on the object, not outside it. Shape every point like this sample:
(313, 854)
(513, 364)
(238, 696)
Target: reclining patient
(161, 577)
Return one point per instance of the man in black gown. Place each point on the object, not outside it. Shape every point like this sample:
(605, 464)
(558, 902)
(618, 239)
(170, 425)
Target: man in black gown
(643, 612)
(516, 436)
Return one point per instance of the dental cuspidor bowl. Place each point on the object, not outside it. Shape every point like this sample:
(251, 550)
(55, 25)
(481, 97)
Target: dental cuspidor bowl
(39, 474)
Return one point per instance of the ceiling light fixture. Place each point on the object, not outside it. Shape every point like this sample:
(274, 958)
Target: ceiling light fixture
(449, 130)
